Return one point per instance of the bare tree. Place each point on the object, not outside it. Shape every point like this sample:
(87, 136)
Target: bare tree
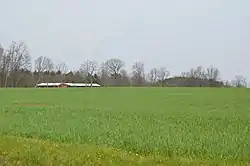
(198, 73)
(189, 74)
(124, 73)
(192, 73)
(87, 70)
(2, 56)
(239, 82)
(5, 68)
(138, 72)
(152, 75)
(114, 66)
(42, 65)
(185, 74)
(162, 74)
(103, 74)
(125, 77)
(1, 53)
(17, 59)
(212, 73)
(62, 68)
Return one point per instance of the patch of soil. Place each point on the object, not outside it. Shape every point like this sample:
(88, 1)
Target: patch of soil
(31, 104)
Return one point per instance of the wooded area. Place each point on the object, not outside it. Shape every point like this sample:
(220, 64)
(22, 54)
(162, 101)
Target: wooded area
(16, 71)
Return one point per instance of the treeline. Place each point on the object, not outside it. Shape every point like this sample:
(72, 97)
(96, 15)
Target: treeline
(16, 70)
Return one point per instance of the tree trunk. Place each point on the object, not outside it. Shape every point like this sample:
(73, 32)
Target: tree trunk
(6, 81)
(91, 81)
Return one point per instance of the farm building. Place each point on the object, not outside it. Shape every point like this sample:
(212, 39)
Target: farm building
(65, 85)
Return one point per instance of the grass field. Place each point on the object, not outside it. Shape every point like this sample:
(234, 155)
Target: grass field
(122, 126)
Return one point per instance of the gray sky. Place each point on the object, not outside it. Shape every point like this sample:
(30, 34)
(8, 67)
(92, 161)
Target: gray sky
(177, 34)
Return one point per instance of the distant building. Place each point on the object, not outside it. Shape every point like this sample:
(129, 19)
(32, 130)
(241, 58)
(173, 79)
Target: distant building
(66, 85)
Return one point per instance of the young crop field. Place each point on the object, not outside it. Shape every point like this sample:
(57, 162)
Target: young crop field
(125, 126)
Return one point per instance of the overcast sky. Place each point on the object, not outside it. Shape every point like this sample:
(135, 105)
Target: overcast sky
(177, 34)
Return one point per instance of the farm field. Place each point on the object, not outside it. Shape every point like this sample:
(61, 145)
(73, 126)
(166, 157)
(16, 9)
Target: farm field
(125, 126)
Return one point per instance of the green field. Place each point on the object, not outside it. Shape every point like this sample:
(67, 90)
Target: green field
(122, 126)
